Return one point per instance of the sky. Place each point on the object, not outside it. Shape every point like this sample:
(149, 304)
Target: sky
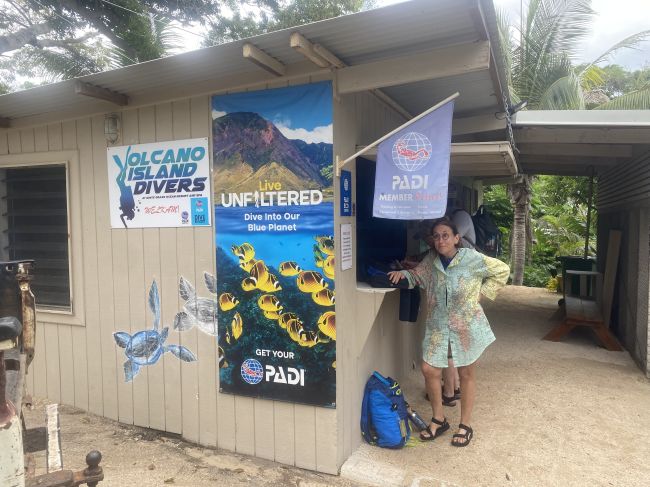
(615, 20)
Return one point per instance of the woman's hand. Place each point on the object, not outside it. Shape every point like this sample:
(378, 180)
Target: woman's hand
(395, 276)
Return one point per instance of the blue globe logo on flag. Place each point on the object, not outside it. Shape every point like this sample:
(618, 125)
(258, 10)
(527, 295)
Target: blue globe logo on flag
(411, 151)
(252, 371)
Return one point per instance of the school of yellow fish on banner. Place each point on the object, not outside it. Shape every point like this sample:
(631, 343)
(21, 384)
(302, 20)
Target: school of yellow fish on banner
(311, 282)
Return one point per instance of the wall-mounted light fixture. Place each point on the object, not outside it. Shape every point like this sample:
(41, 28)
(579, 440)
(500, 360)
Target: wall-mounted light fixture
(112, 128)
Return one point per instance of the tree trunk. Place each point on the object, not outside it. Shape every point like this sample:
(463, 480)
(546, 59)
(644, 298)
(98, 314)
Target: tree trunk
(520, 196)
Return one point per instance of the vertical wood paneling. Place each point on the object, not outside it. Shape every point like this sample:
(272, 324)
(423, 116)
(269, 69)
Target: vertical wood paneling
(226, 425)
(284, 432)
(39, 364)
(204, 262)
(121, 302)
(189, 339)
(206, 346)
(66, 364)
(172, 302)
(87, 395)
(139, 285)
(69, 135)
(187, 268)
(27, 140)
(170, 306)
(54, 137)
(170, 405)
(245, 425)
(41, 143)
(80, 361)
(139, 290)
(4, 143)
(305, 436)
(151, 258)
(13, 141)
(104, 338)
(264, 429)
(52, 369)
(326, 441)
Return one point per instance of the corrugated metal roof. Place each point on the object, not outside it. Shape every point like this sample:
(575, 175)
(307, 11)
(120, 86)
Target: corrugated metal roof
(408, 27)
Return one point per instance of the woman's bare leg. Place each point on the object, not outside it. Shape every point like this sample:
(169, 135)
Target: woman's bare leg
(432, 377)
(468, 386)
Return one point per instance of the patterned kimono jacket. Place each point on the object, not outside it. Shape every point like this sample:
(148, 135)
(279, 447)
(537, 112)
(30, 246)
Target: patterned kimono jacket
(455, 320)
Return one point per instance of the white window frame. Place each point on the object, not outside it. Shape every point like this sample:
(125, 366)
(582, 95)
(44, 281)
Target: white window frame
(70, 160)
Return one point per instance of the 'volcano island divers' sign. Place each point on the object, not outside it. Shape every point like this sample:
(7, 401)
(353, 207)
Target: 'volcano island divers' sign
(162, 184)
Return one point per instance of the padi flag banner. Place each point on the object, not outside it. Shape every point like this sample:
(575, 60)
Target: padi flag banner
(413, 169)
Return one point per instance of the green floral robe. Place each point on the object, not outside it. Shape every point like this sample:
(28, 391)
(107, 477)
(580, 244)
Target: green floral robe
(455, 319)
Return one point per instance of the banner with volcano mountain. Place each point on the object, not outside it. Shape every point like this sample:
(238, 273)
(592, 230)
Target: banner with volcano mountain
(274, 226)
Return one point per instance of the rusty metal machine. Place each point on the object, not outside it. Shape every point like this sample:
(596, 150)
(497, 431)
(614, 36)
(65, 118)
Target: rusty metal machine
(17, 340)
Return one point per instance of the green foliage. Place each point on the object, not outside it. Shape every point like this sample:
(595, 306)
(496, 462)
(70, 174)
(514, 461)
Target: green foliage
(272, 15)
(55, 39)
(558, 216)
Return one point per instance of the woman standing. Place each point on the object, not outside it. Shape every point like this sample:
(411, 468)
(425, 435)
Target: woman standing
(455, 324)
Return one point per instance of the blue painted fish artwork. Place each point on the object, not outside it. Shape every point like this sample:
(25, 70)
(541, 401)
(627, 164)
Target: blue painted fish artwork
(147, 346)
(198, 311)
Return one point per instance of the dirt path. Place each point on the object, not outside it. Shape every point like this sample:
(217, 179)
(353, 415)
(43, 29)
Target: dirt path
(140, 457)
(546, 414)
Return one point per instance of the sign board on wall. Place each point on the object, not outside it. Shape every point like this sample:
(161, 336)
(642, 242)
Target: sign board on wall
(274, 222)
(346, 193)
(161, 184)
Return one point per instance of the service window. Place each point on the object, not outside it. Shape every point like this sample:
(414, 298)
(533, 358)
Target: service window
(379, 240)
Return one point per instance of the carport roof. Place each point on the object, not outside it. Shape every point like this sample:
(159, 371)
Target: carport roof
(362, 41)
(577, 142)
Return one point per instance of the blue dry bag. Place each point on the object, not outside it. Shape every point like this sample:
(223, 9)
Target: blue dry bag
(384, 418)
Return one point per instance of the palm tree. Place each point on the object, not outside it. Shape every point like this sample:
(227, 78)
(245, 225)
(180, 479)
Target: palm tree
(538, 56)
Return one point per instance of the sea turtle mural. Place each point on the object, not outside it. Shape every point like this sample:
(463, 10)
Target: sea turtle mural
(198, 311)
(147, 346)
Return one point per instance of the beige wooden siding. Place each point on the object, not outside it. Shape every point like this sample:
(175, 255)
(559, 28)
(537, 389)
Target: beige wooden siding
(80, 365)
(368, 333)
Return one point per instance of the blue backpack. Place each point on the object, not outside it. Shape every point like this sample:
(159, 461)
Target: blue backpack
(384, 418)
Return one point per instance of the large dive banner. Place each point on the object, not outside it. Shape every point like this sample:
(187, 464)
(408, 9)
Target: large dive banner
(274, 226)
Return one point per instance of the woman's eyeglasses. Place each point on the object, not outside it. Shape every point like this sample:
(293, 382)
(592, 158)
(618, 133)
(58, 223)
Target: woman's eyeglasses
(441, 236)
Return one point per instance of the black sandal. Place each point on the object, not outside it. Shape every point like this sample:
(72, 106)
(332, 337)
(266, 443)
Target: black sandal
(449, 401)
(442, 427)
(467, 436)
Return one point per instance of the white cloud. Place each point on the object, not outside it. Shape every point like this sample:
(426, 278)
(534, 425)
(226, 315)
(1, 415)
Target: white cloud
(319, 134)
(217, 114)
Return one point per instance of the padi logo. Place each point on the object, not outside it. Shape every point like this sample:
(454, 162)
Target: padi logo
(411, 151)
(251, 371)
(292, 376)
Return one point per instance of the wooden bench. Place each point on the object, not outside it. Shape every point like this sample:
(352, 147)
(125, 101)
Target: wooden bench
(583, 311)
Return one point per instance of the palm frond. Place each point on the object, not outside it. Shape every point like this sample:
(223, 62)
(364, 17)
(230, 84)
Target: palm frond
(630, 42)
(564, 94)
(591, 78)
(636, 100)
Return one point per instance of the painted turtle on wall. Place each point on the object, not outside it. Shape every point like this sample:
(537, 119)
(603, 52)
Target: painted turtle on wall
(147, 346)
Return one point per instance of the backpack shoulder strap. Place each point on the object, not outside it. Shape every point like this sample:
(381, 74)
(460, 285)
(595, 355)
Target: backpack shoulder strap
(365, 415)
